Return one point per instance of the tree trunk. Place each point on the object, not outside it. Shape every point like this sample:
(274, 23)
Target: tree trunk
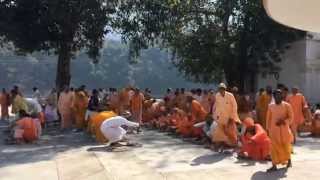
(63, 69)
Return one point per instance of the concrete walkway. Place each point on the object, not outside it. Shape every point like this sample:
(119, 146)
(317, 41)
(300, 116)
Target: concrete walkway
(74, 156)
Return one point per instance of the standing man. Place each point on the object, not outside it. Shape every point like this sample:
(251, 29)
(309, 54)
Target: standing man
(36, 94)
(299, 106)
(136, 105)
(65, 108)
(80, 105)
(279, 118)
(5, 103)
(226, 115)
(262, 106)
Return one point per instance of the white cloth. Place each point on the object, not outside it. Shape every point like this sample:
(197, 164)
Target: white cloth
(33, 105)
(36, 95)
(112, 130)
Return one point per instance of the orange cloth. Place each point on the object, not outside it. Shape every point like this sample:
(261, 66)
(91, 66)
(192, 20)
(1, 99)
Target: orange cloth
(298, 104)
(258, 146)
(4, 102)
(114, 102)
(316, 127)
(30, 131)
(147, 113)
(80, 105)
(42, 119)
(182, 123)
(124, 100)
(198, 114)
(226, 114)
(281, 136)
(262, 107)
(136, 106)
(95, 122)
(65, 109)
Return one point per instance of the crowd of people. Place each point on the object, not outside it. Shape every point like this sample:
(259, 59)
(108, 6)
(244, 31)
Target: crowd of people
(263, 126)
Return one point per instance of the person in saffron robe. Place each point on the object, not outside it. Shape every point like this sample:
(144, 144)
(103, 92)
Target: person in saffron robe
(285, 94)
(5, 103)
(198, 114)
(256, 144)
(25, 129)
(262, 106)
(136, 106)
(244, 106)
(279, 118)
(299, 106)
(124, 99)
(65, 102)
(226, 115)
(205, 100)
(315, 131)
(80, 104)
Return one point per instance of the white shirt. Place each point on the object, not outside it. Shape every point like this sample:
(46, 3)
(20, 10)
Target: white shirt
(36, 95)
(33, 105)
(117, 121)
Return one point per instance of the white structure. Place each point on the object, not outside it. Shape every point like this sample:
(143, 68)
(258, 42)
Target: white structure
(300, 14)
(300, 67)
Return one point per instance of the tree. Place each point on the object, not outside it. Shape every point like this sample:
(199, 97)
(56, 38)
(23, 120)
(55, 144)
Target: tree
(62, 27)
(210, 40)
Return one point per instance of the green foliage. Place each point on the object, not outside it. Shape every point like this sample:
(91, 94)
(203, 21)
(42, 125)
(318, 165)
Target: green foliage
(208, 38)
(37, 25)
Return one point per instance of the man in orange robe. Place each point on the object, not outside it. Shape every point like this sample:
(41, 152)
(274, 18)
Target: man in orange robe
(5, 103)
(136, 105)
(315, 130)
(80, 105)
(299, 106)
(65, 102)
(256, 145)
(198, 114)
(279, 118)
(124, 99)
(205, 101)
(28, 128)
(262, 106)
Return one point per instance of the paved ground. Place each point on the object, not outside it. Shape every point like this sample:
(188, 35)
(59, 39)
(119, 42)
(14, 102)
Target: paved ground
(74, 156)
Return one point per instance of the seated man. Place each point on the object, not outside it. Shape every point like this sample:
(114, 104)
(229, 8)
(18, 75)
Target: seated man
(112, 129)
(26, 129)
(35, 108)
(255, 142)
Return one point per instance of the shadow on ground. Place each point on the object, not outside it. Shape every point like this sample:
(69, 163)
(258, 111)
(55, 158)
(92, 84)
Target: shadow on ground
(262, 175)
(209, 159)
(47, 148)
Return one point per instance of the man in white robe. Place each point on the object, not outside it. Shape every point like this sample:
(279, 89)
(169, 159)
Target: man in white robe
(112, 130)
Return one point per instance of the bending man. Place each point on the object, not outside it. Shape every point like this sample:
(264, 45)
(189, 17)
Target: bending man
(112, 130)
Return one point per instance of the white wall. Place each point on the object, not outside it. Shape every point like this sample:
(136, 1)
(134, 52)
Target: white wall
(293, 68)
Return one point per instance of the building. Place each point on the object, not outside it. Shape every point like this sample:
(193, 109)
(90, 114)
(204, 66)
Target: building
(300, 67)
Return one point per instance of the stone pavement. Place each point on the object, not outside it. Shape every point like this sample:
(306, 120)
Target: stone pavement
(74, 156)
